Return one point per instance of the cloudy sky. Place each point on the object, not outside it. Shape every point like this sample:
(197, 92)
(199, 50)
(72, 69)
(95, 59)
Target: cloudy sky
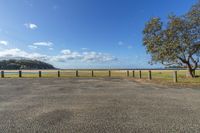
(81, 33)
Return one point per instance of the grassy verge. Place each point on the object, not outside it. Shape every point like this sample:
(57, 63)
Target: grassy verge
(165, 77)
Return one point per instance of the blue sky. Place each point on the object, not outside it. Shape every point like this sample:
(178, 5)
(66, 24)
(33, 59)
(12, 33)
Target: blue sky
(81, 33)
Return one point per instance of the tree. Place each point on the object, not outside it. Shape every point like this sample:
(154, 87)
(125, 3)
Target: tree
(177, 42)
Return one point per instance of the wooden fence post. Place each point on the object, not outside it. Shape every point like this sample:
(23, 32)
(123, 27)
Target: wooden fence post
(2, 74)
(140, 74)
(20, 74)
(175, 76)
(77, 73)
(127, 73)
(133, 73)
(92, 73)
(150, 75)
(109, 72)
(58, 73)
(40, 74)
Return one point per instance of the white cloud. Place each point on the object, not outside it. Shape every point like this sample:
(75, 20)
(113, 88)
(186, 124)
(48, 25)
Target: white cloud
(84, 56)
(66, 51)
(47, 44)
(31, 26)
(2, 42)
(32, 47)
(50, 48)
(18, 54)
(84, 49)
(65, 56)
(97, 57)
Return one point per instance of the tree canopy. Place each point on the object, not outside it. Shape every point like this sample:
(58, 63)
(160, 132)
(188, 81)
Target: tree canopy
(176, 42)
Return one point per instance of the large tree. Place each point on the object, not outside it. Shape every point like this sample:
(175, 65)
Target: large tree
(176, 42)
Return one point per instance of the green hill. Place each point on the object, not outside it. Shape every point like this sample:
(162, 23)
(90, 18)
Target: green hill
(24, 64)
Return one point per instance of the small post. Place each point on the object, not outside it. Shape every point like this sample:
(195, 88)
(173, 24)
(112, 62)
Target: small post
(133, 73)
(175, 77)
(150, 75)
(109, 72)
(127, 73)
(58, 73)
(140, 74)
(77, 73)
(40, 74)
(92, 73)
(20, 74)
(2, 74)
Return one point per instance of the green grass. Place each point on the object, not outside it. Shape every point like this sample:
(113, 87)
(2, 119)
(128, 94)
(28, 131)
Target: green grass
(167, 76)
(159, 75)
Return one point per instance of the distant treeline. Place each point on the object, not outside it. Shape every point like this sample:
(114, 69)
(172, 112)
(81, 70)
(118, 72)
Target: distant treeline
(177, 67)
(24, 64)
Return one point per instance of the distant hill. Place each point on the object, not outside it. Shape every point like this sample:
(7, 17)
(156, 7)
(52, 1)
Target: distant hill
(24, 64)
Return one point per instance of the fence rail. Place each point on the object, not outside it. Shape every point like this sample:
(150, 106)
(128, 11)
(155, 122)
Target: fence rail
(173, 75)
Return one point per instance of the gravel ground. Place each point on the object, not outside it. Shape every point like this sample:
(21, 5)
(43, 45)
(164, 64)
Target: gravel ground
(99, 105)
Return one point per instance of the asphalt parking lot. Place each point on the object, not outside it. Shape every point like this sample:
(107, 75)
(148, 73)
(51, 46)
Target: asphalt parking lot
(98, 105)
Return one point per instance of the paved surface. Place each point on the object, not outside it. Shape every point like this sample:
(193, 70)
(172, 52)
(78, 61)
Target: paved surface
(96, 106)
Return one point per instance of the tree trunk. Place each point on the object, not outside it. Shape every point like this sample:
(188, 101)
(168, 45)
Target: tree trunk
(191, 71)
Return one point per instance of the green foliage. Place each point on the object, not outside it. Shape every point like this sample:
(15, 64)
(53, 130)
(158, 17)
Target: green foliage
(177, 42)
(24, 64)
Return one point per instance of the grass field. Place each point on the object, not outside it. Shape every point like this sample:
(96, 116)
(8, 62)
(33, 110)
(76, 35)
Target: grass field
(167, 76)
(158, 75)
